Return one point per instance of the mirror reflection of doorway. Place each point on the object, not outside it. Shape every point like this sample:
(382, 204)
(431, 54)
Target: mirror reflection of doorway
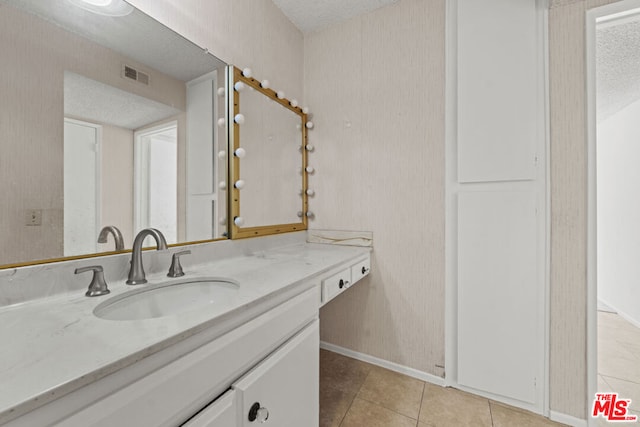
(156, 178)
(615, 147)
(81, 186)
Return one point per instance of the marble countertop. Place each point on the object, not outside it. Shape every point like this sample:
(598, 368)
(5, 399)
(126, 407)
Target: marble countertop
(56, 345)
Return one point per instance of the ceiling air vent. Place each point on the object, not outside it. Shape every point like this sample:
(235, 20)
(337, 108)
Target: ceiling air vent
(133, 74)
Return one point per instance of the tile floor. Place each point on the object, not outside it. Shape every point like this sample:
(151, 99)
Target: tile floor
(619, 359)
(357, 394)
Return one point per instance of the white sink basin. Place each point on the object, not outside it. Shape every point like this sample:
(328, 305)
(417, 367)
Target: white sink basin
(168, 299)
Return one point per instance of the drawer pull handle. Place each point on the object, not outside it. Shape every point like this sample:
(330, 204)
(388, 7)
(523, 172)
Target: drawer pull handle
(365, 270)
(343, 283)
(258, 413)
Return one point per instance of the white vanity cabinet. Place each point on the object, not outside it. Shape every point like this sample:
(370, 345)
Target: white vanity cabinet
(272, 358)
(337, 282)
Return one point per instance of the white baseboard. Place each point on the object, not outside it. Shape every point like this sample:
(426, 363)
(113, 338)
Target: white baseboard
(423, 376)
(635, 322)
(559, 417)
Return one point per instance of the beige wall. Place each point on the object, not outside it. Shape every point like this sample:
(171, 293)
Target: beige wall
(245, 33)
(568, 366)
(375, 86)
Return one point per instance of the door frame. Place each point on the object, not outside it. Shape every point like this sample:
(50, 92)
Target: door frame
(451, 189)
(591, 19)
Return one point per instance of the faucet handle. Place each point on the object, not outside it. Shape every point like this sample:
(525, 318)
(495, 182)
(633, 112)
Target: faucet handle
(176, 269)
(98, 286)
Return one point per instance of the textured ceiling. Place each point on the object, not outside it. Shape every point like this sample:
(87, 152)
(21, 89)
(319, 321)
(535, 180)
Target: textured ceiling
(97, 102)
(617, 65)
(314, 15)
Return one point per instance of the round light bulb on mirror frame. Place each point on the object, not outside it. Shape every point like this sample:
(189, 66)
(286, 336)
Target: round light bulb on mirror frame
(310, 192)
(239, 184)
(247, 72)
(222, 185)
(293, 103)
(240, 152)
(221, 91)
(309, 169)
(221, 122)
(309, 125)
(222, 154)
(239, 86)
(238, 221)
(309, 147)
(305, 110)
(280, 94)
(239, 118)
(264, 84)
(310, 214)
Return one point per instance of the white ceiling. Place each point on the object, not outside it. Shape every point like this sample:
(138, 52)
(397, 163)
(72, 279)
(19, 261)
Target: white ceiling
(617, 65)
(314, 15)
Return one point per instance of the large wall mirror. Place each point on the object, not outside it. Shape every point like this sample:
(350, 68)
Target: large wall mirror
(269, 160)
(107, 118)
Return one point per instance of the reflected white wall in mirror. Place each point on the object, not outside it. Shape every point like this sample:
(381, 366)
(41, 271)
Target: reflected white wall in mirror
(271, 137)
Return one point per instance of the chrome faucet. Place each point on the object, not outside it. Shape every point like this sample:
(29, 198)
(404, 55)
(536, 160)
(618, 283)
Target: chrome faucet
(136, 272)
(117, 236)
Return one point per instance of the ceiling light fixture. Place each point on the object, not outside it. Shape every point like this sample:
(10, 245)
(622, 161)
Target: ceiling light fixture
(104, 7)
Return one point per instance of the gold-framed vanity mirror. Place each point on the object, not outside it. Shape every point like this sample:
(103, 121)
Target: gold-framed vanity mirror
(268, 159)
(107, 118)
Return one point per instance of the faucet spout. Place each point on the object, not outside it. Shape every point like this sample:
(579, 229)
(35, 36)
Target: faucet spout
(136, 272)
(117, 236)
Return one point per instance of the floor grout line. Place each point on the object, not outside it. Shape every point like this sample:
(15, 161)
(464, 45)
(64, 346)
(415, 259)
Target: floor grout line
(424, 388)
(490, 411)
(355, 395)
(387, 408)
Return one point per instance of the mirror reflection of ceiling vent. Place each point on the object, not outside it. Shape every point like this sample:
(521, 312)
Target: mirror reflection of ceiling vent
(133, 74)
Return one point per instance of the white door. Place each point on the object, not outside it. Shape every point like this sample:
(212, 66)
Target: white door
(496, 209)
(81, 184)
(202, 159)
(156, 180)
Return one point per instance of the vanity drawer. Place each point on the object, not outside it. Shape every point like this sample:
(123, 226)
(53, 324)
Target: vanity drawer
(335, 284)
(361, 269)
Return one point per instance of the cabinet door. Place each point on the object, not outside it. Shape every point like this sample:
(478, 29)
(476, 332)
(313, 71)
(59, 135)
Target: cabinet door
(283, 390)
(219, 413)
